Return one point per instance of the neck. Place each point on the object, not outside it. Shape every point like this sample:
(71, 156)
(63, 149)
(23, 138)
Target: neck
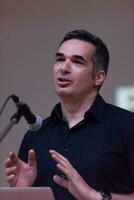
(74, 109)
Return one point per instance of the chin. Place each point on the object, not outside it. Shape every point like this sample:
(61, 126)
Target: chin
(63, 93)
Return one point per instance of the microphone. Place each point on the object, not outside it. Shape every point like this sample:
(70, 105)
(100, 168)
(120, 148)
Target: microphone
(34, 122)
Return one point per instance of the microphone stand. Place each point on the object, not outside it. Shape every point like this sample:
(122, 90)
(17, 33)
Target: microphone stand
(13, 120)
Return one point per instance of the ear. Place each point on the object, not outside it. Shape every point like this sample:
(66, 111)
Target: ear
(99, 77)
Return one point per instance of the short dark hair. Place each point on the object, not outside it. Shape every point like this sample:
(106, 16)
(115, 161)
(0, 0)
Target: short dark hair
(101, 56)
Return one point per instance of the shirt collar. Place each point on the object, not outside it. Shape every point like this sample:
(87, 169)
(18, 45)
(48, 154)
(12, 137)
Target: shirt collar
(56, 113)
(95, 112)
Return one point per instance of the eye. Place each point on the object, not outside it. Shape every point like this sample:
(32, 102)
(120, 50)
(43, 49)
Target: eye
(78, 59)
(60, 59)
(78, 62)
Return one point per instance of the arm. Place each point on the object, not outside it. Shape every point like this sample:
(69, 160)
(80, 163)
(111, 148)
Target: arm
(76, 184)
(122, 197)
(19, 173)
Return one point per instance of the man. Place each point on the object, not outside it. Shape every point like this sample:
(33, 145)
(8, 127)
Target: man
(92, 142)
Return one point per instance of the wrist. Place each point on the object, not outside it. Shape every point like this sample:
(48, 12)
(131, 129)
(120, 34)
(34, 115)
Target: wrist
(94, 195)
(106, 195)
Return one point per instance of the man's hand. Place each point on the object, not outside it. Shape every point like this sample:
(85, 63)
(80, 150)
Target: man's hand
(74, 182)
(19, 173)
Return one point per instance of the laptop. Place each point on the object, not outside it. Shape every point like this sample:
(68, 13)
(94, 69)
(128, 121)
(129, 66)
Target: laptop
(26, 193)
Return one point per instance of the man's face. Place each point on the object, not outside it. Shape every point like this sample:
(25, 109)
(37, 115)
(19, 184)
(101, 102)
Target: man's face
(73, 69)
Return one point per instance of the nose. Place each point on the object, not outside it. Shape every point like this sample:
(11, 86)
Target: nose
(66, 66)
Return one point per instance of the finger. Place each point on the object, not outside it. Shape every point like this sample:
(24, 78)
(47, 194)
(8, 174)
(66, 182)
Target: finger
(63, 164)
(14, 159)
(32, 158)
(10, 171)
(67, 171)
(57, 157)
(11, 179)
(60, 181)
(11, 160)
(8, 162)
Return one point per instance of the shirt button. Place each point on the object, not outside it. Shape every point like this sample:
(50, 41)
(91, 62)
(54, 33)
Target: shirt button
(66, 150)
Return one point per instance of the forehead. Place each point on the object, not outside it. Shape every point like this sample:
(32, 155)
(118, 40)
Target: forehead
(77, 47)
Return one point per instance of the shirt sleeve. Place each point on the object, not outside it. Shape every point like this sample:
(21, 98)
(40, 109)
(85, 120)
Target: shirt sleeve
(24, 148)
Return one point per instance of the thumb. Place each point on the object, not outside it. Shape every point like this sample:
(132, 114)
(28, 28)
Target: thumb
(32, 158)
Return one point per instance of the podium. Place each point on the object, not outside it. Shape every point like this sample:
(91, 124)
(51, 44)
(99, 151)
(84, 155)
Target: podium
(26, 193)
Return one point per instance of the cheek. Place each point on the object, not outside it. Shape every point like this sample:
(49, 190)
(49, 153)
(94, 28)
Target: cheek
(84, 77)
(84, 80)
(54, 74)
(54, 70)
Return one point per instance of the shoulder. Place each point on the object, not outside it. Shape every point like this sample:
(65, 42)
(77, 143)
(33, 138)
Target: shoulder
(32, 135)
(121, 123)
(118, 112)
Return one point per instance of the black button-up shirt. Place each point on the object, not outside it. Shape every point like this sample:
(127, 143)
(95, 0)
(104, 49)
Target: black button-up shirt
(100, 148)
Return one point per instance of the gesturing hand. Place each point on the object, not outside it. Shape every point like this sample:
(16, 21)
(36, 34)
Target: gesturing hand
(19, 173)
(74, 182)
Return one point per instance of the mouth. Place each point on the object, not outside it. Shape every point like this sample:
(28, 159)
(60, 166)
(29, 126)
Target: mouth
(63, 81)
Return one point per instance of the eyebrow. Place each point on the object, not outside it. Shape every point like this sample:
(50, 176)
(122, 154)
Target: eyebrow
(78, 57)
(59, 54)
